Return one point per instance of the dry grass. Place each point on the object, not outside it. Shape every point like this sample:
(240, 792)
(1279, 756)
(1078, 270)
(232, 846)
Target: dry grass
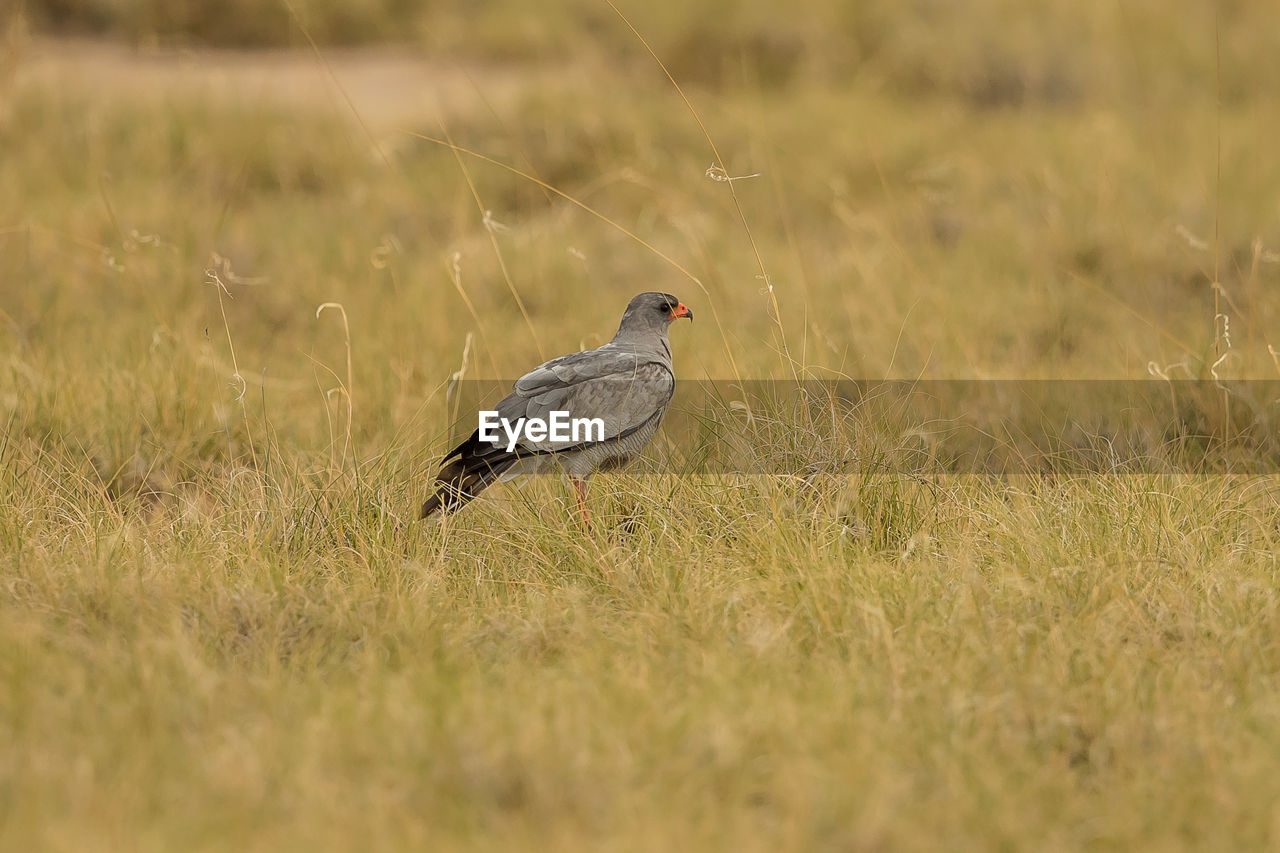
(219, 628)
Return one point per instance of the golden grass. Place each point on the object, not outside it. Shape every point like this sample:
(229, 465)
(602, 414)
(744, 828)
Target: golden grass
(220, 629)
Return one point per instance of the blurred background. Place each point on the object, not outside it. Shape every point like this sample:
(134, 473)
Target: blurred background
(928, 188)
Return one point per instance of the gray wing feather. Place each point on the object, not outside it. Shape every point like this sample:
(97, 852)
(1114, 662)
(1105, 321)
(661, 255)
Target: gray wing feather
(624, 388)
(608, 360)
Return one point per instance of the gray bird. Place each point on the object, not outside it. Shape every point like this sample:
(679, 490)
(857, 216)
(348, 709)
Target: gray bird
(626, 384)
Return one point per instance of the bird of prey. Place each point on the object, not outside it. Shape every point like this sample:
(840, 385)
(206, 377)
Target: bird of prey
(627, 384)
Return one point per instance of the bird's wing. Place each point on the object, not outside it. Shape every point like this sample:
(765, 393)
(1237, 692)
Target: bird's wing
(608, 360)
(622, 387)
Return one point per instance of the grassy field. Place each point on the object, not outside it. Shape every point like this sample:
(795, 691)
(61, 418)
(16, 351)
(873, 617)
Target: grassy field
(235, 287)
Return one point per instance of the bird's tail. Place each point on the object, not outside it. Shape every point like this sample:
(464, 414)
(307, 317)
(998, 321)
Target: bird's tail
(476, 467)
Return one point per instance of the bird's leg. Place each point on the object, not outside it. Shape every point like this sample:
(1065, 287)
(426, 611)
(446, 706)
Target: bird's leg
(580, 489)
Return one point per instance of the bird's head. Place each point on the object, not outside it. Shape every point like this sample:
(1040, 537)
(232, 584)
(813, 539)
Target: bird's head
(652, 312)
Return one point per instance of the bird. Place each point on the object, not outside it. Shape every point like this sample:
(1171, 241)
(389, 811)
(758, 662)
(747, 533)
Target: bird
(627, 384)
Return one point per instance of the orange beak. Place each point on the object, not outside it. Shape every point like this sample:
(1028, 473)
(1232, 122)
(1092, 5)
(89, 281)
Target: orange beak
(682, 310)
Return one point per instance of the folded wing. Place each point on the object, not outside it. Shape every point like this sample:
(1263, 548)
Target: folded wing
(623, 388)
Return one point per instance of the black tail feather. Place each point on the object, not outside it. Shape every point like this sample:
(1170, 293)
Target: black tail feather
(476, 467)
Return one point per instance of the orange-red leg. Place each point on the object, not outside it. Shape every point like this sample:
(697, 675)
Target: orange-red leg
(580, 489)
